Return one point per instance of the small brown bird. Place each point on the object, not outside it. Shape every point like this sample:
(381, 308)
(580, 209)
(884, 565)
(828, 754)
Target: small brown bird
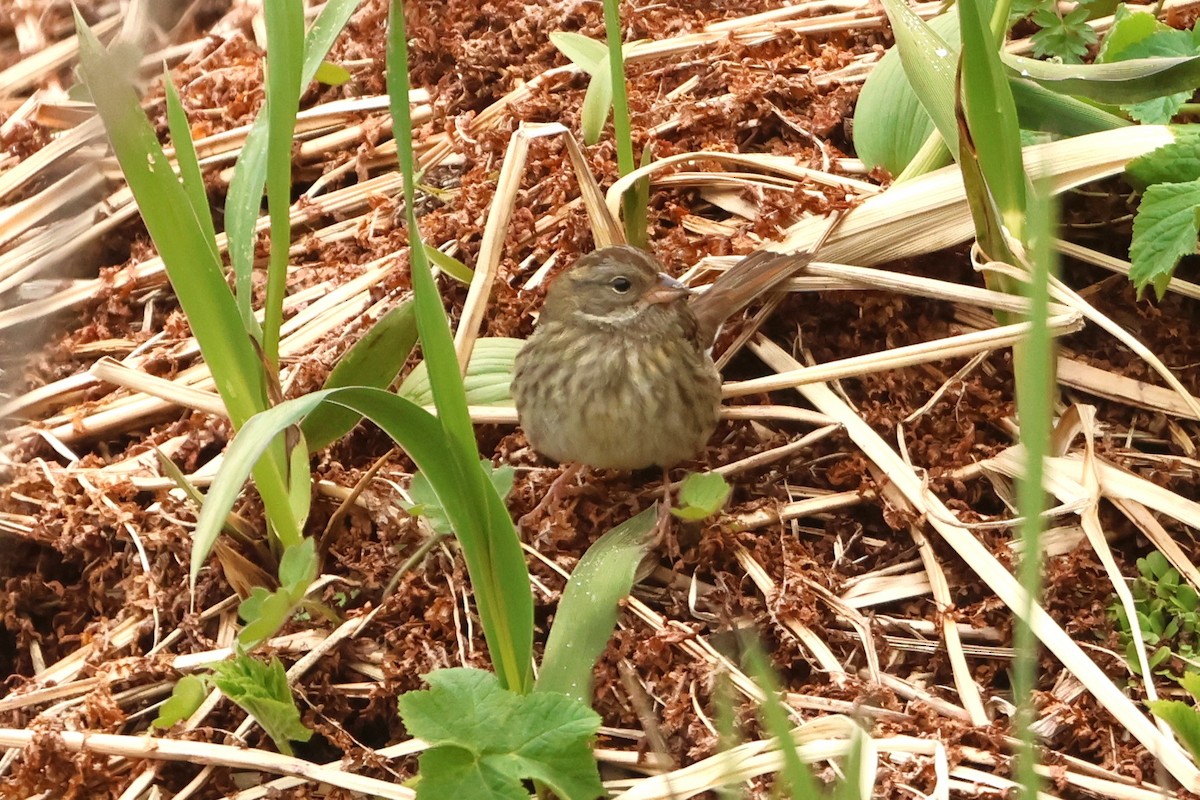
(619, 373)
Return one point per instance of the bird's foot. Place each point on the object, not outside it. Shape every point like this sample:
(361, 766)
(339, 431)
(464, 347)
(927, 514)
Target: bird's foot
(553, 496)
(662, 525)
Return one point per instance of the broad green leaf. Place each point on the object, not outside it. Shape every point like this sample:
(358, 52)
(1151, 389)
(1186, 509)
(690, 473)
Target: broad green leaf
(701, 495)
(261, 690)
(596, 104)
(587, 612)
(488, 378)
(374, 360)
(1164, 231)
(1190, 681)
(485, 741)
(298, 568)
(1123, 81)
(890, 125)
(186, 697)
(929, 64)
(1187, 597)
(587, 54)
(1183, 718)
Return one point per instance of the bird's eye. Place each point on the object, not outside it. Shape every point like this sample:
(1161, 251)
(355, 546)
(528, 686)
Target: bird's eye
(621, 284)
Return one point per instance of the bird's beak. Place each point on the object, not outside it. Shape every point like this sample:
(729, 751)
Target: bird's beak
(666, 290)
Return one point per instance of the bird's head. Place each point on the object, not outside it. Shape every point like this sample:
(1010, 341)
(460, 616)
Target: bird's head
(610, 287)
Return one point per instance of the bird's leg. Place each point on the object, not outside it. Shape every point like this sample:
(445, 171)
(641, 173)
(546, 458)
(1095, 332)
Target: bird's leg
(552, 496)
(663, 524)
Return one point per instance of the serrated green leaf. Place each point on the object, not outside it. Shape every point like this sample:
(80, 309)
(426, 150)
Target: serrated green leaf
(1128, 28)
(186, 697)
(1183, 718)
(1177, 162)
(261, 690)
(1164, 43)
(1164, 231)
(701, 495)
(486, 740)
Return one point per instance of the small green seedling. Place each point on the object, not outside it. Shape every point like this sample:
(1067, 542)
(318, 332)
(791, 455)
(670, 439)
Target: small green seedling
(1168, 614)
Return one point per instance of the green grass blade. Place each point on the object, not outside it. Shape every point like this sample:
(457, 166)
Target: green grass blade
(1043, 110)
(244, 199)
(490, 546)
(473, 515)
(168, 213)
(587, 612)
(1034, 362)
(1115, 83)
(596, 103)
(189, 164)
(795, 775)
(450, 265)
(285, 48)
(587, 54)
(190, 261)
(890, 124)
(622, 127)
(992, 117)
